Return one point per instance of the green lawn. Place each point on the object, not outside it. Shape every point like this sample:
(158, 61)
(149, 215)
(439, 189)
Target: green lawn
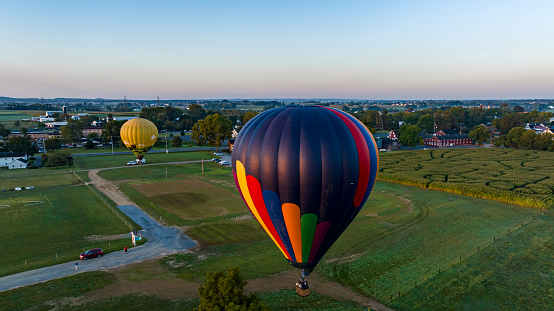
(12, 115)
(227, 231)
(39, 224)
(92, 162)
(515, 273)
(403, 235)
(43, 296)
(522, 177)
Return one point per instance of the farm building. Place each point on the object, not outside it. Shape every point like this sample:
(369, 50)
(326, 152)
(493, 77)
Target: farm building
(441, 139)
(13, 160)
(88, 130)
(539, 128)
(387, 141)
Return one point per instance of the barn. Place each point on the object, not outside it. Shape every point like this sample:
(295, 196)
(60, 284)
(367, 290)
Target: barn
(442, 139)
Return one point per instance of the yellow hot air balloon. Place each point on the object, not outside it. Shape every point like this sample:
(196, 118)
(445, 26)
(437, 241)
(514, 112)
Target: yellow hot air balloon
(139, 135)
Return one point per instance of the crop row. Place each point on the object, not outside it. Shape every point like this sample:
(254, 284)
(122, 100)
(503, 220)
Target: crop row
(514, 176)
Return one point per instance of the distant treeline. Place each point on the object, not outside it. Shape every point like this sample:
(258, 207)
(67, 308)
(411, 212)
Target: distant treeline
(30, 107)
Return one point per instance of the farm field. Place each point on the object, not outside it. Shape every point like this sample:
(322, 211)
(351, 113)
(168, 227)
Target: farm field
(519, 177)
(401, 237)
(56, 218)
(103, 161)
(191, 198)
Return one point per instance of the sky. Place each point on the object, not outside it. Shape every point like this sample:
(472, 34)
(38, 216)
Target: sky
(321, 49)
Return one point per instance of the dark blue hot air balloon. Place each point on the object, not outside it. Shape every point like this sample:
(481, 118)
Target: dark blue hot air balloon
(304, 173)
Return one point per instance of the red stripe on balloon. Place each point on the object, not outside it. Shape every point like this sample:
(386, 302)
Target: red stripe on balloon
(256, 194)
(320, 232)
(363, 156)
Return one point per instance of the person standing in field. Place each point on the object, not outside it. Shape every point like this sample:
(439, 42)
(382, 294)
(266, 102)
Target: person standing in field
(125, 248)
(76, 265)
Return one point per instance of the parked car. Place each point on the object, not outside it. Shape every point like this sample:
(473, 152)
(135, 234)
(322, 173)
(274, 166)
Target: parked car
(132, 163)
(218, 154)
(224, 163)
(91, 253)
(217, 160)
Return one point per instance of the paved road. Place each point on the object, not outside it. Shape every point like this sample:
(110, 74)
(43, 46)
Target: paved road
(162, 241)
(151, 151)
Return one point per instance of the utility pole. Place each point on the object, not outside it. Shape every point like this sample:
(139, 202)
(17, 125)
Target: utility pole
(112, 145)
(166, 152)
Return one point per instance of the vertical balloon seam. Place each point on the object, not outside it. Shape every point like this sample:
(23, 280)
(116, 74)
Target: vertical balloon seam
(319, 236)
(268, 157)
(241, 175)
(373, 158)
(291, 213)
(363, 155)
(255, 191)
(273, 205)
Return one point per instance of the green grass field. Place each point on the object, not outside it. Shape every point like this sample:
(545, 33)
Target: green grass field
(11, 115)
(522, 177)
(44, 296)
(103, 161)
(401, 237)
(515, 273)
(60, 213)
(40, 224)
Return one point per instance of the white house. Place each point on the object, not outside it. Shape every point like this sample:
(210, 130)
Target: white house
(13, 160)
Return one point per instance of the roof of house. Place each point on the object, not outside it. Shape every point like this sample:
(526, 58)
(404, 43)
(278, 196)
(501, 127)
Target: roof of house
(11, 154)
(449, 137)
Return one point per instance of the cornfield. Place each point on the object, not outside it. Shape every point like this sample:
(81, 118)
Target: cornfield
(521, 177)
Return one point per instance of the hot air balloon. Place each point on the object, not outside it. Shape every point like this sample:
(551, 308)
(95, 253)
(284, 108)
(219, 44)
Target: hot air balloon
(305, 173)
(139, 135)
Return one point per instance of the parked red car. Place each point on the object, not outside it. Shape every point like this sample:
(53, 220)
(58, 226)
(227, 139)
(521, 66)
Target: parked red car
(91, 253)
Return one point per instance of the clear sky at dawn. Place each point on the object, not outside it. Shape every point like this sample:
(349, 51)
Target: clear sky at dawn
(277, 49)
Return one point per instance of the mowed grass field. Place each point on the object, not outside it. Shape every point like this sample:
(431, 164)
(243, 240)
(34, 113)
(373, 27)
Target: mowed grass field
(104, 161)
(53, 222)
(402, 237)
(522, 177)
(191, 198)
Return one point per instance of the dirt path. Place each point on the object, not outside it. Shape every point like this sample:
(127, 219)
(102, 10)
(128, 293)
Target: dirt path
(109, 189)
(170, 287)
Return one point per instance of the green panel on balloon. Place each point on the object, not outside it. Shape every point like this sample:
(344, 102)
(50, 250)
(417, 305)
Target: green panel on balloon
(308, 223)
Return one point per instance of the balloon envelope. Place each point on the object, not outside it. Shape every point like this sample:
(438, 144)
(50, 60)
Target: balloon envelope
(304, 173)
(139, 135)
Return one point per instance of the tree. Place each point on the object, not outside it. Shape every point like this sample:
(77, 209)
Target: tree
(225, 291)
(214, 129)
(248, 116)
(479, 133)
(22, 144)
(92, 135)
(177, 142)
(52, 144)
(543, 141)
(89, 144)
(112, 129)
(72, 131)
(24, 132)
(57, 159)
(4, 131)
(409, 135)
(17, 123)
(426, 123)
(518, 109)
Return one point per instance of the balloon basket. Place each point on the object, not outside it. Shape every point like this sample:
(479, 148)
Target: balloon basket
(303, 292)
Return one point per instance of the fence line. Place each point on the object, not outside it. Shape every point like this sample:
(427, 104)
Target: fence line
(116, 211)
(394, 296)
